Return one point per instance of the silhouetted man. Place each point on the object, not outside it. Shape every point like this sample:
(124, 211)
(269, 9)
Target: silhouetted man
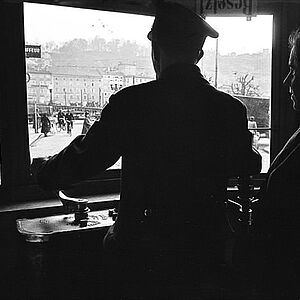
(280, 196)
(180, 140)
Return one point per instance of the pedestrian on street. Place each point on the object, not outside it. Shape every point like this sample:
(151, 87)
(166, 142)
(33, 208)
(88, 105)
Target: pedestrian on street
(46, 124)
(87, 123)
(252, 126)
(69, 118)
(61, 120)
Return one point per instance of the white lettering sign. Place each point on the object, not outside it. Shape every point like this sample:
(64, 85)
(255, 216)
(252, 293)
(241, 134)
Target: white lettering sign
(33, 51)
(227, 7)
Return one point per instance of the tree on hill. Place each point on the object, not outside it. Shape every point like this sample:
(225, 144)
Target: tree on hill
(98, 44)
(116, 47)
(75, 45)
(244, 86)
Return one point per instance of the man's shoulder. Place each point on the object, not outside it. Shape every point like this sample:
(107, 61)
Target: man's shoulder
(137, 88)
(133, 93)
(228, 100)
(228, 97)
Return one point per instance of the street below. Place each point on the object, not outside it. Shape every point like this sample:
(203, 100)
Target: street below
(55, 141)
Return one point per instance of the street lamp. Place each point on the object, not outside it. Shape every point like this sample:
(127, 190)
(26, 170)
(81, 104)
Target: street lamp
(36, 125)
(36, 101)
(64, 90)
(50, 87)
(99, 104)
(35, 119)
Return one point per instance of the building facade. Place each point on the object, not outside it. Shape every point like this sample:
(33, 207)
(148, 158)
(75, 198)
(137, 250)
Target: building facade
(78, 86)
(39, 86)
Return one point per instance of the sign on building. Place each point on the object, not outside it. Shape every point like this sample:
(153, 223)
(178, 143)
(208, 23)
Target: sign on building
(227, 7)
(33, 51)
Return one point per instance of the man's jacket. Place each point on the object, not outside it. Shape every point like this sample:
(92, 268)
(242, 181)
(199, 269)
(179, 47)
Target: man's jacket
(180, 139)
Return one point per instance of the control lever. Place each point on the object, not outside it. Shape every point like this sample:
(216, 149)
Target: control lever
(246, 199)
(113, 213)
(76, 205)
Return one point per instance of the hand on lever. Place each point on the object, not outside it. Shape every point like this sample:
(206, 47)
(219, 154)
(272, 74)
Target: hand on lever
(77, 205)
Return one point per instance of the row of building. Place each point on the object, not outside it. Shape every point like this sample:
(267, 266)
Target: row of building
(80, 86)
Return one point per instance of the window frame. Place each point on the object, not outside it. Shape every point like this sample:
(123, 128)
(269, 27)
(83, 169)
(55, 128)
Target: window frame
(19, 185)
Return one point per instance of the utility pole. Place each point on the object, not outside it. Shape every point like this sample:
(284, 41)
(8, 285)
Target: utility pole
(36, 125)
(216, 63)
(50, 87)
(99, 97)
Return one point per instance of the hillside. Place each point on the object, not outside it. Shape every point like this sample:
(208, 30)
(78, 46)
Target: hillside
(230, 66)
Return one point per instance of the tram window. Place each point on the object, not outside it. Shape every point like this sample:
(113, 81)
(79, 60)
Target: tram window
(99, 47)
(92, 46)
(239, 63)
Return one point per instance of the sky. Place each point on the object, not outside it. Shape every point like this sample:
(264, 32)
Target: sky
(45, 23)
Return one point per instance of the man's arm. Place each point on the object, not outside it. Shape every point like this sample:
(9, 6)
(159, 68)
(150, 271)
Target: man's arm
(87, 155)
(243, 158)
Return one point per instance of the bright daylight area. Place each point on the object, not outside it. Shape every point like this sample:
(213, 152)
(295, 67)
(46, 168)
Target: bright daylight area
(88, 55)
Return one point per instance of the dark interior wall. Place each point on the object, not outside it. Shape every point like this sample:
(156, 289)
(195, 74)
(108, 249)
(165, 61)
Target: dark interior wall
(13, 94)
(67, 267)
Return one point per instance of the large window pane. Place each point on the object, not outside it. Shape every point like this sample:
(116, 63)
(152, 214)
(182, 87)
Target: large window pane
(239, 63)
(88, 55)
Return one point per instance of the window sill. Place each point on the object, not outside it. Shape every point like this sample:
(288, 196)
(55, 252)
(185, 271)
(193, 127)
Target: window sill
(33, 193)
(95, 202)
(35, 203)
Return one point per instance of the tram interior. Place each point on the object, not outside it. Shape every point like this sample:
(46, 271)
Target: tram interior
(43, 260)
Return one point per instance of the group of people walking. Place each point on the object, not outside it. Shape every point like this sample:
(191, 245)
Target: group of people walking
(65, 121)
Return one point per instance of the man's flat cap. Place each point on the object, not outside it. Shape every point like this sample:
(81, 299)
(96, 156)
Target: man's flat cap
(175, 23)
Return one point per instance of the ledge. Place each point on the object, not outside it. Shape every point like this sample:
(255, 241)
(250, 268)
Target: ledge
(100, 201)
(94, 202)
